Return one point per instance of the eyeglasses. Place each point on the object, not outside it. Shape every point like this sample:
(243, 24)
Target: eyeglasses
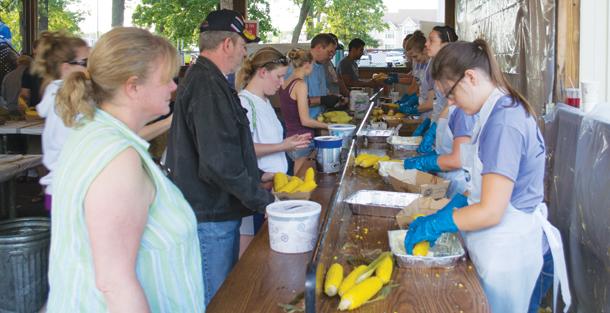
(82, 62)
(282, 60)
(449, 94)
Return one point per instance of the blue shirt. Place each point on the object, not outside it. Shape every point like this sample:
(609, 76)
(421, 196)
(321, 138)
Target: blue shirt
(5, 32)
(461, 124)
(512, 145)
(316, 85)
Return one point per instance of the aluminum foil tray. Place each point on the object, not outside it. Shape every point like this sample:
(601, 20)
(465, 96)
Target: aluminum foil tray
(446, 252)
(404, 143)
(379, 135)
(379, 203)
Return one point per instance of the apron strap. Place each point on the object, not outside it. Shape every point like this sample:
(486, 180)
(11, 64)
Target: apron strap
(560, 276)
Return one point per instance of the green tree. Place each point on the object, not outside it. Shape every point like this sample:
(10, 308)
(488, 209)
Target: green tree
(347, 19)
(60, 18)
(179, 20)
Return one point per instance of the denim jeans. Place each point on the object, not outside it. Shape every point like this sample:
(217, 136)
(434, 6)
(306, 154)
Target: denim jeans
(219, 242)
(543, 284)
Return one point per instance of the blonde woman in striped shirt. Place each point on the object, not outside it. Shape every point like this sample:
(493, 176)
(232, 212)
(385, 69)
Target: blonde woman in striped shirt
(123, 239)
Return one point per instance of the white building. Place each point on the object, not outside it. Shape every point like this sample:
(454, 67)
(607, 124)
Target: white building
(401, 23)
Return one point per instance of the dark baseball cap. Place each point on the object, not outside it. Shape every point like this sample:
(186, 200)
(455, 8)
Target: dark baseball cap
(227, 20)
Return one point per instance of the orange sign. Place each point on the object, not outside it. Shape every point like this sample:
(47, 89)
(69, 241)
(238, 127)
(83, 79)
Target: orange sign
(252, 27)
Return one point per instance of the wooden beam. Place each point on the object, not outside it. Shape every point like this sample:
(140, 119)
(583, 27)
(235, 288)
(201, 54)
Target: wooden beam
(568, 47)
(450, 13)
(241, 7)
(29, 25)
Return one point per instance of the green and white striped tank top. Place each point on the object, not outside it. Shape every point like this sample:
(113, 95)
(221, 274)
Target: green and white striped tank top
(169, 260)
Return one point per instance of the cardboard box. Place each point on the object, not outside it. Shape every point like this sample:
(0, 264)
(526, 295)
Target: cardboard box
(423, 205)
(418, 182)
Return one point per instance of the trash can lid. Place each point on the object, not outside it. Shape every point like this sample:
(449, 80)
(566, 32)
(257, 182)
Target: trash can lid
(24, 229)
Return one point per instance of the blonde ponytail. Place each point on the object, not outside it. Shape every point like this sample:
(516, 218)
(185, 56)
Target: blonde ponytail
(267, 57)
(244, 75)
(74, 99)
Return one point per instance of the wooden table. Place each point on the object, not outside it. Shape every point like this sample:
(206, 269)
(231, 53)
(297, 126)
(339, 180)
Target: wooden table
(263, 278)
(10, 166)
(22, 127)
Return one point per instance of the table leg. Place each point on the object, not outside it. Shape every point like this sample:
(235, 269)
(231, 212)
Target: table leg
(12, 206)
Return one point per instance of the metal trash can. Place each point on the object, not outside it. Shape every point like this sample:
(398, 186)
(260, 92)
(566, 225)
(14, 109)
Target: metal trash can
(24, 261)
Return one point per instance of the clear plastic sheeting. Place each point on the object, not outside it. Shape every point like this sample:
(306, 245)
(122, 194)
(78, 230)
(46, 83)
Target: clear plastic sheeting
(522, 34)
(578, 184)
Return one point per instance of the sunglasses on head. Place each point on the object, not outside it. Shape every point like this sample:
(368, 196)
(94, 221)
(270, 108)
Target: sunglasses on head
(82, 62)
(282, 60)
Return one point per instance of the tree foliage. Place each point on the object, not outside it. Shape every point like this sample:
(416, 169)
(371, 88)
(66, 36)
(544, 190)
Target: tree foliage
(179, 20)
(348, 19)
(60, 18)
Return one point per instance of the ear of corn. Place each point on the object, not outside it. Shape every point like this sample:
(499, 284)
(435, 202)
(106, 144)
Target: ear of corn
(369, 161)
(292, 185)
(372, 267)
(279, 180)
(384, 270)
(350, 280)
(421, 248)
(306, 186)
(334, 277)
(360, 293)
(310, 175)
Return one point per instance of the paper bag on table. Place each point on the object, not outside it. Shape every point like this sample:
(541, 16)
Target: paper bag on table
(423, 205)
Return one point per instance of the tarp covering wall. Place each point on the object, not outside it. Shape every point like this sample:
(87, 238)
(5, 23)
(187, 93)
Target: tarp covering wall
(578, 185)
(522, 34)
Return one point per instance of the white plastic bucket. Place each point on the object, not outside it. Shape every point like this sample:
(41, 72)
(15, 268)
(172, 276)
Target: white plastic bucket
(344, 131)
(293, 225)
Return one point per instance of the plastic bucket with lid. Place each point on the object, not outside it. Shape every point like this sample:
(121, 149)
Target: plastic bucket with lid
(345, 131)
(293, 225)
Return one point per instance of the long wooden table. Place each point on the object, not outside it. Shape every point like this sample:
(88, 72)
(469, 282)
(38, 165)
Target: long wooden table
(263, 278)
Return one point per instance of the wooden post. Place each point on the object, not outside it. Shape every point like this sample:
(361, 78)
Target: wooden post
(450, 13)
(29, 25)
(241, 7)
(568, 47)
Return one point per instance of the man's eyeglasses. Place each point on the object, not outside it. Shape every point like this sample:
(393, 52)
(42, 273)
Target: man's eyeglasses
(283, 61)
(82, 62)
(449, 94)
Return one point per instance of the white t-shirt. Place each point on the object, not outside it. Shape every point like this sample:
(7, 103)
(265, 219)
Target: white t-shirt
(54, 134)
(266, 129)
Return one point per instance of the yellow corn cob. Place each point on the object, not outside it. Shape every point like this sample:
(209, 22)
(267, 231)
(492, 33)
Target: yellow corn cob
(279, 180)
(334, 277)
(310, 175)
(370, 161)
(384, 271)
(306, 186)
(383, 158)
(361, 158)
(421, 248)
(350, 280)
(360, 293)
(292, 185)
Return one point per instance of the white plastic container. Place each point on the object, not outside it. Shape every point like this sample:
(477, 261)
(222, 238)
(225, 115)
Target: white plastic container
(345, 131)
(293, 225)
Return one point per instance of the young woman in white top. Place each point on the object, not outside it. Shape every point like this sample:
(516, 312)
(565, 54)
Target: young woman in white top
(58, 55)
(261, 76)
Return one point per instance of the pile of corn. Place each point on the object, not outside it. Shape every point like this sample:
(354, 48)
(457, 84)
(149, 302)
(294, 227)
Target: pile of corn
(340, 117)
(292, 184)
(360, 285)
(367, 160)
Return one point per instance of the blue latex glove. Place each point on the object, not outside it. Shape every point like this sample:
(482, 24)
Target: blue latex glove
(458, 201)
(427, 142)
(429, 228)
(422, 127)
(409, 108)
(425, 163)
(406, 98)
(392, 79)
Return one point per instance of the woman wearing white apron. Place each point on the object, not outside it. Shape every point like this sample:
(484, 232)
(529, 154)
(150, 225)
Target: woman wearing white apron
(503, 220)
(454, 128)
(422, 103)
(439, 37)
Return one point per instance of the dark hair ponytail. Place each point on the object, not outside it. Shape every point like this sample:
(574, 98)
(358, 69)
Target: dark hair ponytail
(446, 33)
(455, 58)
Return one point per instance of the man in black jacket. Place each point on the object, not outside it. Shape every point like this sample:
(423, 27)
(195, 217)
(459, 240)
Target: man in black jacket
(210, 151)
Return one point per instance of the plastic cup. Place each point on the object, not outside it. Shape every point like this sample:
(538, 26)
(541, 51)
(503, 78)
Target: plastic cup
(573, 97)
